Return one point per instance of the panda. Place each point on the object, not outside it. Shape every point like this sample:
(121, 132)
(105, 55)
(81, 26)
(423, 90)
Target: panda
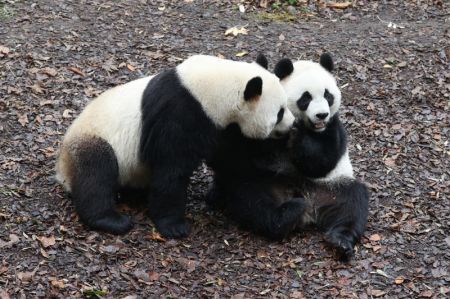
(153, 132)
(277, 186)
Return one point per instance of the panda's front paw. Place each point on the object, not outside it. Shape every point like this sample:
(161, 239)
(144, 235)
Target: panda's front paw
(343, 242)
(173, 227)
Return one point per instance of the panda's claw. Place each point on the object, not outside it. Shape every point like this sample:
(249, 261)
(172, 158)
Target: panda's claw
(343, 243)
(173, 227)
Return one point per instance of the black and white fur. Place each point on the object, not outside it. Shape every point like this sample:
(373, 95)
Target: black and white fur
(274, 187)
(153, 132)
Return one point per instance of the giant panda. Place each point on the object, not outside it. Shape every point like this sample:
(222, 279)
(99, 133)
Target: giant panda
(153, 132)
(277, 186)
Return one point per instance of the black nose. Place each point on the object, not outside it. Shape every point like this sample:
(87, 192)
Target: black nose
(321, 115)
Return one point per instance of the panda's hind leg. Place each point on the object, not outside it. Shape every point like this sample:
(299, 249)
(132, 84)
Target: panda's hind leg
(94, 185)
(344, 220)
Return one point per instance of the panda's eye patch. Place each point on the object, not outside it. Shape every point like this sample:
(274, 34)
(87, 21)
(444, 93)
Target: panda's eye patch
(329, 97)
(280, 115)
(304, 100)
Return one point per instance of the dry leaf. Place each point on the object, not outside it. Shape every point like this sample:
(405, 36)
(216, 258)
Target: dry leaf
(77, 71)
(235, 31)
(154, 276)
(58, 283)
(23, 120)
(399, 280)
(67, 113)
(339, 5)
(157, 237)
(49, 71)
(4, 295)
(25, 276)
(4, 51)
(263, 3)
(375, 237)
(36, 88)
(47, 242)
(241, 54)
(131, 68)
(376, 293)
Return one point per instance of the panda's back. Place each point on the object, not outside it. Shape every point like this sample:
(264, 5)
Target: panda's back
(115, 117)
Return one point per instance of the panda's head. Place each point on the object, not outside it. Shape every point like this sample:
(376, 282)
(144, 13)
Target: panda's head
(312, 91)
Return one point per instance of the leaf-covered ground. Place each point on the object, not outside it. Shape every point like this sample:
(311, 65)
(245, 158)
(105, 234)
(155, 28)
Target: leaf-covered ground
(392, 62)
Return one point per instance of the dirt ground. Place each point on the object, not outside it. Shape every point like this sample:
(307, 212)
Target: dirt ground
(392, 60)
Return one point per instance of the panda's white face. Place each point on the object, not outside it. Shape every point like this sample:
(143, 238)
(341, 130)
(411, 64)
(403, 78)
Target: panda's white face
(313, 95)
(222, 88)
(267, 116)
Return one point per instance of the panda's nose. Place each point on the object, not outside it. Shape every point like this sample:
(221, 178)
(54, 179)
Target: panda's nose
(321, 115)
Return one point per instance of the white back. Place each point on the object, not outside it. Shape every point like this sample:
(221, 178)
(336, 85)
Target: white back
(219, 86)
(312, 77)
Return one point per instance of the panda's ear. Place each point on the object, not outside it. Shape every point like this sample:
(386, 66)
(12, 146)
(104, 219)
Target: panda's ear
(262, 61)
(283, 68)
(253, 90)
(327, 62)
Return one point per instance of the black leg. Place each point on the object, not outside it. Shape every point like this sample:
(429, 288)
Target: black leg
(167, 202)
(95, 185)
(344, 221)
(253, 206)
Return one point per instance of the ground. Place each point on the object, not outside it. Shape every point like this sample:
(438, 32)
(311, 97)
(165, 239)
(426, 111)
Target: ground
(392, 60)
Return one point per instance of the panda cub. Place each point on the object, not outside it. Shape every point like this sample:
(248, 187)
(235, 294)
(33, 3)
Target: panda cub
(289, 183)
(153, 132)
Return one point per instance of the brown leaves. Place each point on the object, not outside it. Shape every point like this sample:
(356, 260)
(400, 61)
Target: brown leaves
(375, 237)
(4, 51)
(235, 31)
(4, 294)
(375, 293)
(23, 119)
(47, 241)
(13, 239)
(76, 71)
(339, 5)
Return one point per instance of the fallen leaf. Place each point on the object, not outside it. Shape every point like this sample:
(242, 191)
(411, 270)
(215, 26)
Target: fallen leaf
(426, 294)
(241, 54)
(67, 113)
(235, 31)
(58, 283)
(4, 51)
(375, 237)
(376, 293)
(399, 280)
(3, 294)
(339, 5)
(77, 71)
(155, 236)
(154, 276)
(131, 68)
(25, 276)
(36, 88)
(23, 120)
(49, 71)
(47, 242)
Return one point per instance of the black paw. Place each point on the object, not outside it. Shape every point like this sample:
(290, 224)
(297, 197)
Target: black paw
(172, 227)
(343, 242)
(288, 216)
(113, 223)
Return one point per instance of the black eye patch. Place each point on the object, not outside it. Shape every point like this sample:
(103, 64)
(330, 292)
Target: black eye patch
(329, 97)
(304, 100)
(280, 115)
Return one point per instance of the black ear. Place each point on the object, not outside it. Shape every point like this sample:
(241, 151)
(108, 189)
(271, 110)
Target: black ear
(327, 62)
(253, 89)
(284, 68)
(262, 61)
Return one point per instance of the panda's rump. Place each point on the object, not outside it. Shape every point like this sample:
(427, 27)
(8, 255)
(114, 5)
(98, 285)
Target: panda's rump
(115, 117)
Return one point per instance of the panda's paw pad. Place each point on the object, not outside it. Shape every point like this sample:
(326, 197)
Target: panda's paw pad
(173, 228)
(113, 223)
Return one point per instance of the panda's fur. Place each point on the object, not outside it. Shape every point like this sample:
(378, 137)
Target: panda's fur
(153, 132)
(274, 187)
